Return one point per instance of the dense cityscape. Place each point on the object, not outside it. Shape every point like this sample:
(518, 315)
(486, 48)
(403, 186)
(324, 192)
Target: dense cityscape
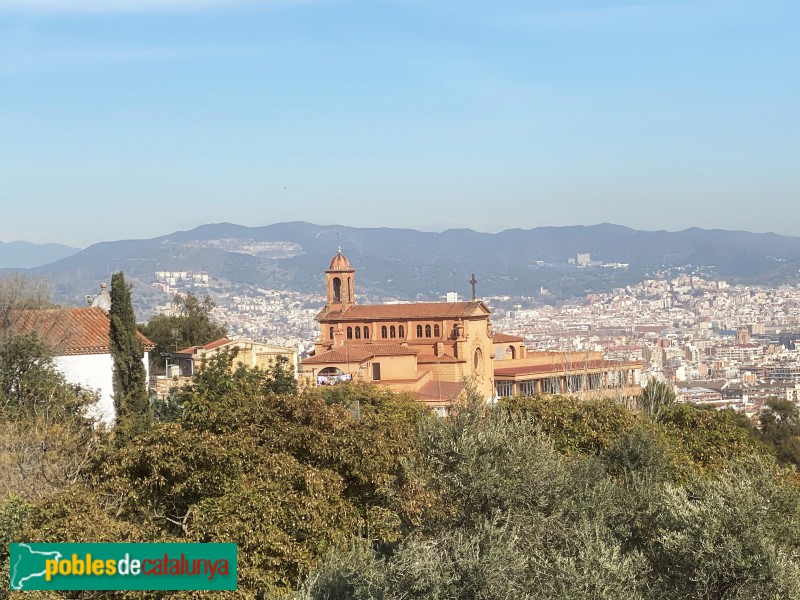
(715, 343)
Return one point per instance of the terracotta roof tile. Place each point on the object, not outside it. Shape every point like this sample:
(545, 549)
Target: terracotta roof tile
(73, 331)
(385, 349)
(216, 343)
(504, 338)
(339, 355)
(418, 310)
(440, 391)
(442, 358)
(575, 367)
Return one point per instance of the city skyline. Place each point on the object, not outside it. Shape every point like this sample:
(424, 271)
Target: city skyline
(130, 120)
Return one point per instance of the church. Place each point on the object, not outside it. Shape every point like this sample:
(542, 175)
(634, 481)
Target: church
(429, 348)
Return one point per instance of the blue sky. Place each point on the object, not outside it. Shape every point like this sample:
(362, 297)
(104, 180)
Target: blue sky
(134, 118)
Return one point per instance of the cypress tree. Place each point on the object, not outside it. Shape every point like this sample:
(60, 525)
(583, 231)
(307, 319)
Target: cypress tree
(131, 402)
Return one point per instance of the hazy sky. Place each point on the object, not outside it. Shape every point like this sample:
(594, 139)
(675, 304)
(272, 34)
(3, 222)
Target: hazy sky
(134, 118)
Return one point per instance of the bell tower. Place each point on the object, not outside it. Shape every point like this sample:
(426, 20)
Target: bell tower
(340, 276)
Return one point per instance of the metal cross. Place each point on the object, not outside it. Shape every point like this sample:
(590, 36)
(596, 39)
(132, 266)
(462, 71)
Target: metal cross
(473, 281)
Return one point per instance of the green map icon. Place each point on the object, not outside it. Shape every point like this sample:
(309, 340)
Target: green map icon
(28, 564)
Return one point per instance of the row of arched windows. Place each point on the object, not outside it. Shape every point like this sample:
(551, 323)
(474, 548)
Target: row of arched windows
(436, 331)
(358, 331)
(390, 332)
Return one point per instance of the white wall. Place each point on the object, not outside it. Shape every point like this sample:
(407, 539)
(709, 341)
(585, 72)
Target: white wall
(95, 371)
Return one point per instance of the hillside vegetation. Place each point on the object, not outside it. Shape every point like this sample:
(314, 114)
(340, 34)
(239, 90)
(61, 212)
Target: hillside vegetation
(540, 497)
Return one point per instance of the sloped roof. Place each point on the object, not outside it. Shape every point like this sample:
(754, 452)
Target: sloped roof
(385, 349)
(574, 367)
(73, 331)
(440, 391)
(208, 346)
(339, 355)
(505, 338)
(417, 310)
(442, 359)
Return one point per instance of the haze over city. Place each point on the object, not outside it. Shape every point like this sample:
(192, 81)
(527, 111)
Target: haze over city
(125, 119)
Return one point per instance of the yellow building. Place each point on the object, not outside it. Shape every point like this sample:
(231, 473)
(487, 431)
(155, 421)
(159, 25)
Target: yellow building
(582, 374)
(181, 365)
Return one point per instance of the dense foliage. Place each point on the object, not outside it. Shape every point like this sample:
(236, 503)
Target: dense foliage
(190, 324)
(355, 492)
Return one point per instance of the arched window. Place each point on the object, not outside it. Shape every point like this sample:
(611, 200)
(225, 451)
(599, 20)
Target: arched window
(358, 333)
(383, 331)
(349, 333)
(337, 289)
(511, 353)
(392, 332)
(419, 331)
(427, 331)
(401, 332)
(331, 330)
(436, 331)
(366, 332)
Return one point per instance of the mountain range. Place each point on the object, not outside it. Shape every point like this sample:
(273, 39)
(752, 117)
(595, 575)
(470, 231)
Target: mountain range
(409, 264)
(25, 255)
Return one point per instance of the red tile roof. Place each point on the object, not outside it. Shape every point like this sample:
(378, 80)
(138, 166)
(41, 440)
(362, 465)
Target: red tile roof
(574, 367)
(385, 349)
(418, 310)
(442, 358)
(73, 331)
(208, 346)
(339, 355)
(504, 338)
(440, 391)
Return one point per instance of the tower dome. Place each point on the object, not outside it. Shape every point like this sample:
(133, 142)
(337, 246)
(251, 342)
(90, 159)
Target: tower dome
(340, 263)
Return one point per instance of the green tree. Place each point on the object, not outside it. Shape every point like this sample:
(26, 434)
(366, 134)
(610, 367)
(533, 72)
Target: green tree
(46, 432)
(780, 429)
(191, 325)
(131, 402)
(280, 376)
(14, 513)
(656, 396)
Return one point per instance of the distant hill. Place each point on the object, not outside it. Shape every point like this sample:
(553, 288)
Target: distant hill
(25, 255)
(409, 264)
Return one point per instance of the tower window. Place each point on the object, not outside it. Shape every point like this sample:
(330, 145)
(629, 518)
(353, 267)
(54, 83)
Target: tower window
(427, 331)
(358, 333)
(383, 331)
(436, 331)
(419, 331)
(392, 332)
(366, 332)
(331, 332)
(349, 333)
(401, 332)
(337, 289)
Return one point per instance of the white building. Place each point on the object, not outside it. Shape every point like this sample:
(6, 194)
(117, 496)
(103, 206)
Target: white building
(80, 341)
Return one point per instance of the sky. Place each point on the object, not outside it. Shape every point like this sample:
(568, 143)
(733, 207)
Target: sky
(134, 118)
